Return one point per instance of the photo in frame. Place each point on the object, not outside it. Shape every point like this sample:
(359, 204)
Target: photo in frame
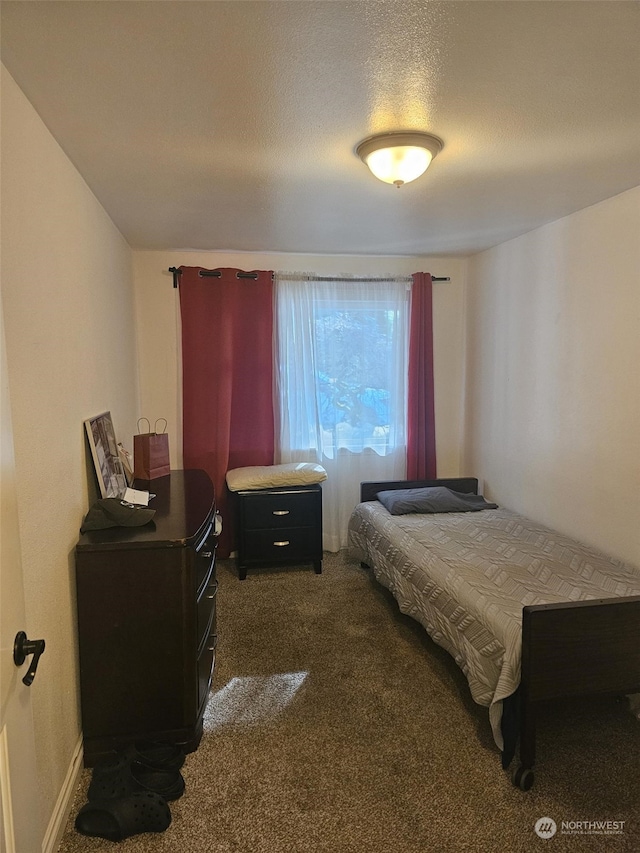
(106, 457)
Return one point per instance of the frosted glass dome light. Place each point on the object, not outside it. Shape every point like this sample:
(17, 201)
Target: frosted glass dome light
(398, 158)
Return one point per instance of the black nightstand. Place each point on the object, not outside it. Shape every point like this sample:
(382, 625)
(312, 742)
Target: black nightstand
(282, 525)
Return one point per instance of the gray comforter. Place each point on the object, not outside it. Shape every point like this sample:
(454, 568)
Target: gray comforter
(466, 577)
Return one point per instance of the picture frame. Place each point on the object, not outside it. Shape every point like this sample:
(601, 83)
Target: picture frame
(106, 457)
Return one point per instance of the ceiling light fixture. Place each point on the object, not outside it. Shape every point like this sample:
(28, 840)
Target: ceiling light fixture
(399, 157)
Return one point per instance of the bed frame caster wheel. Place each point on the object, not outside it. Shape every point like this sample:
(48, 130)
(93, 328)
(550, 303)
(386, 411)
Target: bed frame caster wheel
(523, 778)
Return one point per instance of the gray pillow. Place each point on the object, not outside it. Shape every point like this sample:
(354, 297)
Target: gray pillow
(431, 500)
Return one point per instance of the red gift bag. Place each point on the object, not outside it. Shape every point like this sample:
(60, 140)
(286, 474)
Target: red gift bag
(151, 452)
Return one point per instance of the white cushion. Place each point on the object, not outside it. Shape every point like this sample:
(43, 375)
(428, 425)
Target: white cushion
(272, 476)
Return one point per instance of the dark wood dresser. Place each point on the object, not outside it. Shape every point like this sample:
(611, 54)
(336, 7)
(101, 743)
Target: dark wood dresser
(147, 620)
(282, 525)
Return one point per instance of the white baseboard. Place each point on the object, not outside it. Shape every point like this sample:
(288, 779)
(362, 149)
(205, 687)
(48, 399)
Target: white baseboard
(62, 808)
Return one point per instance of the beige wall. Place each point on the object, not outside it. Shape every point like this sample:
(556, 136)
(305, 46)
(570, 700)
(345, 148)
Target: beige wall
(553, 382)
(159, 319)
(68, 310)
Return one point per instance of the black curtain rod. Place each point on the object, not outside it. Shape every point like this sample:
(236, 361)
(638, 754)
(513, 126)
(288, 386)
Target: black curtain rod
(216, 274)
(356, 278)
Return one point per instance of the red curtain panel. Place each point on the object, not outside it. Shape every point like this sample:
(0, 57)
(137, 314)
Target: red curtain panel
(227, 366)
(421, 433)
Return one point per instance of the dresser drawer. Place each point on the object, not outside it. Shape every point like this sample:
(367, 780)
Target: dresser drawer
(206, 663)
(206, 610)
(279, 510)
(204, 559)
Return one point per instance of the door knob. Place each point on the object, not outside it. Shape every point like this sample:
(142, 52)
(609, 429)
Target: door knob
(22, 648)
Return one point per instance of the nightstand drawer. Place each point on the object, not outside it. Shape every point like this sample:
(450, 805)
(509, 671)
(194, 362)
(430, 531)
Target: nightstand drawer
(294, 543)
(279, 510)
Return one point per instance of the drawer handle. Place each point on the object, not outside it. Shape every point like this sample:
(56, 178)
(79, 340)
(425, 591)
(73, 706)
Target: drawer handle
(213, 640)
(206, 555)
(282, 544)
(214, 589)
(281, 512)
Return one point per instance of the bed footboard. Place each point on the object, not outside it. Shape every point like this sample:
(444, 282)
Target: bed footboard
(579, 648)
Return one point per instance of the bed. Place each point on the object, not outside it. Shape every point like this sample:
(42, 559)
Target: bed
(527, 613)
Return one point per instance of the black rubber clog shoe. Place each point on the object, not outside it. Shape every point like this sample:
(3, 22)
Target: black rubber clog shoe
(115, 819)
(148, 753)
(122, 781)
(161, 756)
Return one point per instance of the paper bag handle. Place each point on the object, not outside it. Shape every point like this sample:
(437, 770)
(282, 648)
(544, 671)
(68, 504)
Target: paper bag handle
(155, 426)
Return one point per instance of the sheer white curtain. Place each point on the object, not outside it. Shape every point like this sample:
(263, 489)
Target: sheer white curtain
(341, 383)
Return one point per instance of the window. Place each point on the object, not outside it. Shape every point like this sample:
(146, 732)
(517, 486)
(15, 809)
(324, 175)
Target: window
(354, 375)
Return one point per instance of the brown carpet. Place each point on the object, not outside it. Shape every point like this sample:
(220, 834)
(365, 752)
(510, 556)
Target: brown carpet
(335, 725)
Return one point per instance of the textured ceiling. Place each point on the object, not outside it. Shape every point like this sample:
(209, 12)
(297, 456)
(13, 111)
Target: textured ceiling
(232, 125)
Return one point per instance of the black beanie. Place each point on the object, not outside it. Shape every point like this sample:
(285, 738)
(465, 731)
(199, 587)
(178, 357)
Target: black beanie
(112, 512)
